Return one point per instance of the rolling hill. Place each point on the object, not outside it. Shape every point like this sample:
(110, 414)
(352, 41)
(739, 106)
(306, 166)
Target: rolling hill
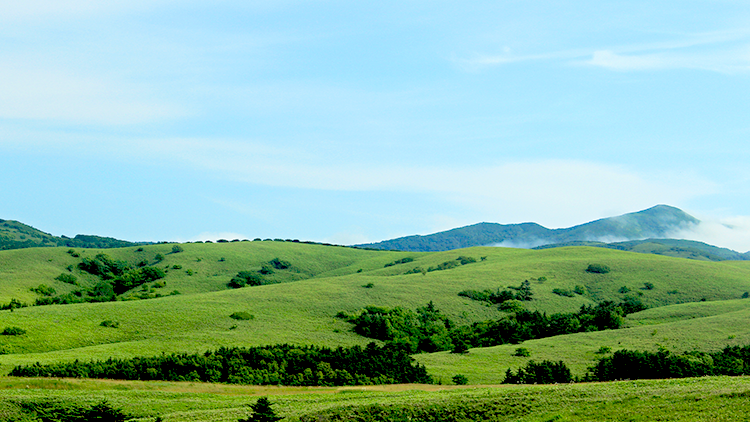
(693, 305)
(301, 303)
(16, 235)
(656, 222)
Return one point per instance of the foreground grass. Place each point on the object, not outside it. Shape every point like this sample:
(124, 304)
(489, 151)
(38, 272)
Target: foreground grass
(692, 399)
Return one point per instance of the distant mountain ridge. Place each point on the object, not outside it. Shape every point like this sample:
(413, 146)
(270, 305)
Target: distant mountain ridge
(657, 222)
(16, 235)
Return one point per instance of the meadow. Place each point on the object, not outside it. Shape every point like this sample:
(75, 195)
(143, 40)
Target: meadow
(693, 305)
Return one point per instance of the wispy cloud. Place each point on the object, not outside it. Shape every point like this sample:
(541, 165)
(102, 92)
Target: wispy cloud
(31, 92)
(718, 51)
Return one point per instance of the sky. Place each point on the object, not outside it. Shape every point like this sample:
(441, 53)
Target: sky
(352, 122)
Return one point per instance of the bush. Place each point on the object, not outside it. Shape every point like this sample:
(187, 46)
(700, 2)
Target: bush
(67, 278)
(13, 331)
(545, 372)
(110, 324)
(242, 316)
(623, 289)
(460, 379)
(368, 285)
(598, 269)
(245, 278)
(280, 264)
(746, 295)
(522, 352)
(158, 257)
(563, 292)
(580, 290)
(43, 290)
(177, 249)
(648, 285)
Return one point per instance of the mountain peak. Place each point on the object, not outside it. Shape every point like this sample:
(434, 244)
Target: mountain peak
(655, 222)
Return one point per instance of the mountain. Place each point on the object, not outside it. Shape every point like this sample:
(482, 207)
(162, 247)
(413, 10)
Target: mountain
(656, 222)
(16, 235)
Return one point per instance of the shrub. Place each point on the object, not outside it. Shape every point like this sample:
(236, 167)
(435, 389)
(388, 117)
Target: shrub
(746, 295)
(368, 285)
(623, 289)
(242, 316)
(604, 350)
(522, 352)
(460, 379)
(176, 267)
(67, 278)
(110, 324)
(266, 270)
(13, 331)
(245, 278)
(177, 249)
(563, 292)
(648, 285)
(598, 269)
(580, 290)
(44, 290)
(189, 272)
(158, 257)
(280, 264)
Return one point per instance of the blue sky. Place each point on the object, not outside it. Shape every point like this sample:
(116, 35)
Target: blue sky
(352, 122)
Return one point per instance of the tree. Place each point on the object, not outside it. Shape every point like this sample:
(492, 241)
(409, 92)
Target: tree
(460, 379)
(177, 249)
(262, 412)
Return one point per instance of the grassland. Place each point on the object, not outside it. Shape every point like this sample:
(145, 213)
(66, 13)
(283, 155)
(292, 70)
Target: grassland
(694, 305)
(324, 280)
(693, 399)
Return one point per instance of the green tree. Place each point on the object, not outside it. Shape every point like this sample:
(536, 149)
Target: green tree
(262, 412)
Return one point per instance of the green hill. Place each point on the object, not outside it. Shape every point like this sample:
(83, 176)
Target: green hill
(301, 303)
(16, 235)
(679, 248)
(656, 222)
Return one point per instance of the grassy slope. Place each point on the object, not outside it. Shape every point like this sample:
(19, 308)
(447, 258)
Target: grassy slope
(716, 398)
(327, 281)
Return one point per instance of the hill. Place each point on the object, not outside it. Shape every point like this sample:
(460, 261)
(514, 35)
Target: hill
(679, 248)
(16, 235)
(656, 222)
(300, 304)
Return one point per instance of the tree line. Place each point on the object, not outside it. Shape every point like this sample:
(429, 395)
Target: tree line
(428, 330)
(266, 365)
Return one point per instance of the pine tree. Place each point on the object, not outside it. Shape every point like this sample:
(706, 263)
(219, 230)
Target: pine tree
(262, 412)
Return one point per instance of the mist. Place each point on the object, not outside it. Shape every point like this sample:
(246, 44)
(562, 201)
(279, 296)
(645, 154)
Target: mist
(732, 233)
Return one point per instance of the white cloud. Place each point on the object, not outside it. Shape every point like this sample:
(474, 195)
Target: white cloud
(552, 192)
(30, 92)
(730, 232)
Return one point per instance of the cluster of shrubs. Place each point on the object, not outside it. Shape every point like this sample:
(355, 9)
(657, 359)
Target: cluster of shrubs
(399, 261)
(630, 364)
(54, 411)
(253, 278)
(447, 265)
(522, 293)
(266, 365)
(428, 330)
(121, 274)
(633, 364)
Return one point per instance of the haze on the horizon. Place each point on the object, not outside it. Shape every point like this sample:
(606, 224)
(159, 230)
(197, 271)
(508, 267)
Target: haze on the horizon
(351, 122)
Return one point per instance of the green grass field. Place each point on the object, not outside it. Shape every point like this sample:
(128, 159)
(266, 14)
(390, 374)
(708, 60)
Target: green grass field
(324, 280)
(694, 305)
(683, 400)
